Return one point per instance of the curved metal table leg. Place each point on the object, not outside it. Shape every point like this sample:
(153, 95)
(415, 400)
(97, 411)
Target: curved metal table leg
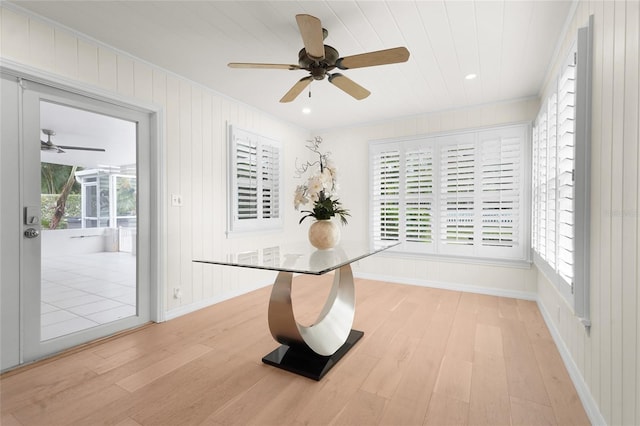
(321, 344)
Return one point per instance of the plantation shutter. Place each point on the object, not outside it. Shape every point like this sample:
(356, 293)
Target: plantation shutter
(565, 169)
(553, 171)
(500, 183)
(457, 195)
(386, 195)
(541, 190)
(255, 181)
(246, 149)
(535, 196)
(457, 186)
(419, 200)
(270, 165)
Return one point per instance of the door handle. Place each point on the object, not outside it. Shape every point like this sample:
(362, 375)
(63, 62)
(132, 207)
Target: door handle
(31, 233)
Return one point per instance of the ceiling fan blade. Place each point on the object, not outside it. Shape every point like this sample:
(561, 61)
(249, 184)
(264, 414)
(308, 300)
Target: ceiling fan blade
(379, 57)
(296, 89)
(264, 66)
(312, 35)
(81, 148)
(48, 146)
(349, 86)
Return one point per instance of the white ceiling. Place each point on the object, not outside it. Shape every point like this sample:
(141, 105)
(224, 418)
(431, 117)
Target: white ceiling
(508, 44)
(79, 128)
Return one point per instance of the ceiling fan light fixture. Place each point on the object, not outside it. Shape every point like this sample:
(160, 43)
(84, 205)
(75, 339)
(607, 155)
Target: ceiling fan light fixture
(306, 110)
(319, 59)
(470, 76)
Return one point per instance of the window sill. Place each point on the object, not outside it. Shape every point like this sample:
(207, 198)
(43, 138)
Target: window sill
(509, 263)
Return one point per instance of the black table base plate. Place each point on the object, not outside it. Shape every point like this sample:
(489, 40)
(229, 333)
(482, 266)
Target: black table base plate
(306, 362)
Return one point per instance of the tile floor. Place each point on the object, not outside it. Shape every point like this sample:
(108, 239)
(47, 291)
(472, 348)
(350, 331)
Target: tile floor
(83, 291)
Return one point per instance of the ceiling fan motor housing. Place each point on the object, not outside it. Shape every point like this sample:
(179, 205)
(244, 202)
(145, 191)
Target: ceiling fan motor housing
(318, 69)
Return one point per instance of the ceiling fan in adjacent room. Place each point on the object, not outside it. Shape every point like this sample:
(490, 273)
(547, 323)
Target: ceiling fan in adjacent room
(320, 59)
(50, 146)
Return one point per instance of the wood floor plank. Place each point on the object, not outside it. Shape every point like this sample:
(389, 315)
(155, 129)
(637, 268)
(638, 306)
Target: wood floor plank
(408, 412)
(461, 342)
(488, 340)
(508, 308)
(532, 320)
(562, 394)
(191, 394)
(523, 369)
(377, 344)
(363, 408)
(128, 422)
(153, 372)
(525, 413)
(248, 404)
(39, 384)
(454, 379)
(335, 389)
(445, 411)
(428, 356)
(61, 411)
(284, 409)
(9, 420)
(389, 370)
(489, 401)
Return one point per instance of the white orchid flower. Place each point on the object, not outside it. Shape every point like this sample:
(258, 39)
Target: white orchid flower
(315, 185)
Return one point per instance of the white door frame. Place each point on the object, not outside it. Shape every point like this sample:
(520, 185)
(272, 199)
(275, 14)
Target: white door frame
(156, 210)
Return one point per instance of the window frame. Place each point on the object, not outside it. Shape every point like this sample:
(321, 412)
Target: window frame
(263, 221)
(481, 251)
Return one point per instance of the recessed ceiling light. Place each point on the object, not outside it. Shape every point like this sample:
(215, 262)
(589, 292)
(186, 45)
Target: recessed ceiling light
(470, 76)
(306, 110)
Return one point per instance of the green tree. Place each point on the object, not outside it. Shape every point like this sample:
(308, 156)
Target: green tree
(62, 199)
(53, 177)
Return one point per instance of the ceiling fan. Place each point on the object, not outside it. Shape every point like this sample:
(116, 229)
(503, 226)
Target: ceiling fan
(320, 59)
(50, 146)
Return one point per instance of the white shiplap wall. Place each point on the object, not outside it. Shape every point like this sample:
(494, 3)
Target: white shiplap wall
(195, 139)
(608, 359)
(349, 147)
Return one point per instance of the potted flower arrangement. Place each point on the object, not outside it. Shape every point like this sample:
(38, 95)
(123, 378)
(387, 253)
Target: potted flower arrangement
(320, 190)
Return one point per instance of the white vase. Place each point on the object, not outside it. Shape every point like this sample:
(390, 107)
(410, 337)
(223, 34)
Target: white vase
(324, 234)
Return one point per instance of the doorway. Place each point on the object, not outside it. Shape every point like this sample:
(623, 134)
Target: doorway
(84, 190)
(88, 206)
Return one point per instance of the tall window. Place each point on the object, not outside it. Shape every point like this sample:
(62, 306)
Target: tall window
(255, 183)
(460, 194)
(560, 178)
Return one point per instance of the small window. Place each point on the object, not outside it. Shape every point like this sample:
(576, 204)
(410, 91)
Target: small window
(255, 184)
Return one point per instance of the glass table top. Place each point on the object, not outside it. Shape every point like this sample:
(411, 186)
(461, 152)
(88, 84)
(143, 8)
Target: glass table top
(299, 258)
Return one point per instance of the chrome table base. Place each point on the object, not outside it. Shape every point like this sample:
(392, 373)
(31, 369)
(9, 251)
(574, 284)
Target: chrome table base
(312, 350)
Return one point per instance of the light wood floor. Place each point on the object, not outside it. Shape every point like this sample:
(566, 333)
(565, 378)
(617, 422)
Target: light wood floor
(428, 356)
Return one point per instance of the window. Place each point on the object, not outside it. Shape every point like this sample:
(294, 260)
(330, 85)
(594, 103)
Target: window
(460, 194)
(255, 182)
(109, 199)
(560, 163)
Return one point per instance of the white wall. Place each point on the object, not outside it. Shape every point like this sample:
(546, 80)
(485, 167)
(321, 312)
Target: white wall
(608, 359)
(65, 242)
(194, 132)
(349, 147)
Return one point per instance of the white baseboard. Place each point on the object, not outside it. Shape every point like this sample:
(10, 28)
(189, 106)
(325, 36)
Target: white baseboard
(589, 403)
(491, 291)
(192, 307)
